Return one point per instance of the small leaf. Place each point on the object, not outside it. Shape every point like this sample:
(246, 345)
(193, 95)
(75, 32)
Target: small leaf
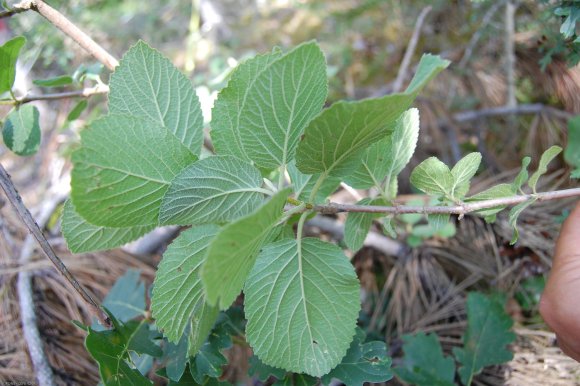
(209, 361)
(178, 298)
(304, 292)
(513, 218)
(262, 372)
(433, 177)
(522, 176)
(334, 141)
(388, 228)
(148, 86)
(438, 221)
(8, 57)
(57, 81)
(233, 252)
(215, 189)
(424, 363)
(488, 333)
(175, 357)
(21, 130)
(358, 225)
(463, 172)
(572, 152)
(76, 112)
(363, 362)
(82, 236)
(547, 157)
(497, 191)
(123, 169)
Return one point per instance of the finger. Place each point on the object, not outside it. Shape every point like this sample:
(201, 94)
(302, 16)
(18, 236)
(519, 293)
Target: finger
(568, 244)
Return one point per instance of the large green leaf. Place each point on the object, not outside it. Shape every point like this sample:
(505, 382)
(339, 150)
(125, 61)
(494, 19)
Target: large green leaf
(388, 157)
(302, 303)
(122, 170)
(488, 333)
(433, 177)
(9, 52)
(232, 253)
(572, 152)
(363, 362)
(147, 85)
(277, 100)
(82, 236)
(214, 189)
(333, 141)
(21, 130)
(424, 363)
(178, 296)
(546, 158)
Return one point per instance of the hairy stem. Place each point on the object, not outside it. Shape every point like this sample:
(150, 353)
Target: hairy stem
(85, 93)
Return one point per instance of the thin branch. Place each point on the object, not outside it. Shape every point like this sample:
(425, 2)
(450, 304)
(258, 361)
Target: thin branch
(536, 108)
(510, 56)
(26, 217)
(461, 210)
(71, 30)
(398, 83)
(85, 93)
(11, 12)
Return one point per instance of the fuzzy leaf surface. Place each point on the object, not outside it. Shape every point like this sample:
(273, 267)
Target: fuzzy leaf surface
(546, 158)
(388, 157)
(123, 169)
(363, 362)
(21, 131)
(302, 304)
(433, 177)
(424, 363)
(9, 52)
(522, 176)
(358, 225)
(488, 333)
(82, 236)
(279, 101)
(513, 218)
(178, 296)
(214, 189)
(334, 140)
(147, 85)
(463, 172)
(233, 252)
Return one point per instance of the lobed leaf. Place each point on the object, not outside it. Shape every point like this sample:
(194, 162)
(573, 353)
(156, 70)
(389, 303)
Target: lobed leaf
(215, 189)
(178, 299)
(147, 85)
(9, 52)
(334, 141)
(268, 102)
(546, 158)
(21, 132)
(82, 236)
(232, 253)
(488, 333)
(302, 303)
(209, 361)
(433, 177)
(424, 363)
(123, 169)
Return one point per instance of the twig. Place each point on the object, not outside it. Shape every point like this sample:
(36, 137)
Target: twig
(536, 108)
(398, 83)
(85, 93)
(70, 30)
(26, 217)
(461, 210)
(11, 12)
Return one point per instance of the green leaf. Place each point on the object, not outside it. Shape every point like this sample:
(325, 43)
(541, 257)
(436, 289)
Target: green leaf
(122, 170)
(463, 172)
(513, 218)
(438, 221)
(424, 363)
(488, 333)
(214, 189)
(388, 157)
(292, 379)
(433, 177)
(522, 176)
(57, 81)
(176, 357)
(147, 85)
(126, 300)
(334, 140)
(497, 191)
(21, 130)
(82, 236)
(8, 56)
(302, 303)
(358, 225)
(76, 112)
(363, 362)
(572, 152)
(272, 111)
(304, 183)
(178, 297)
(209, 361)
(262, 372)
(546, 158)
(232, 253)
